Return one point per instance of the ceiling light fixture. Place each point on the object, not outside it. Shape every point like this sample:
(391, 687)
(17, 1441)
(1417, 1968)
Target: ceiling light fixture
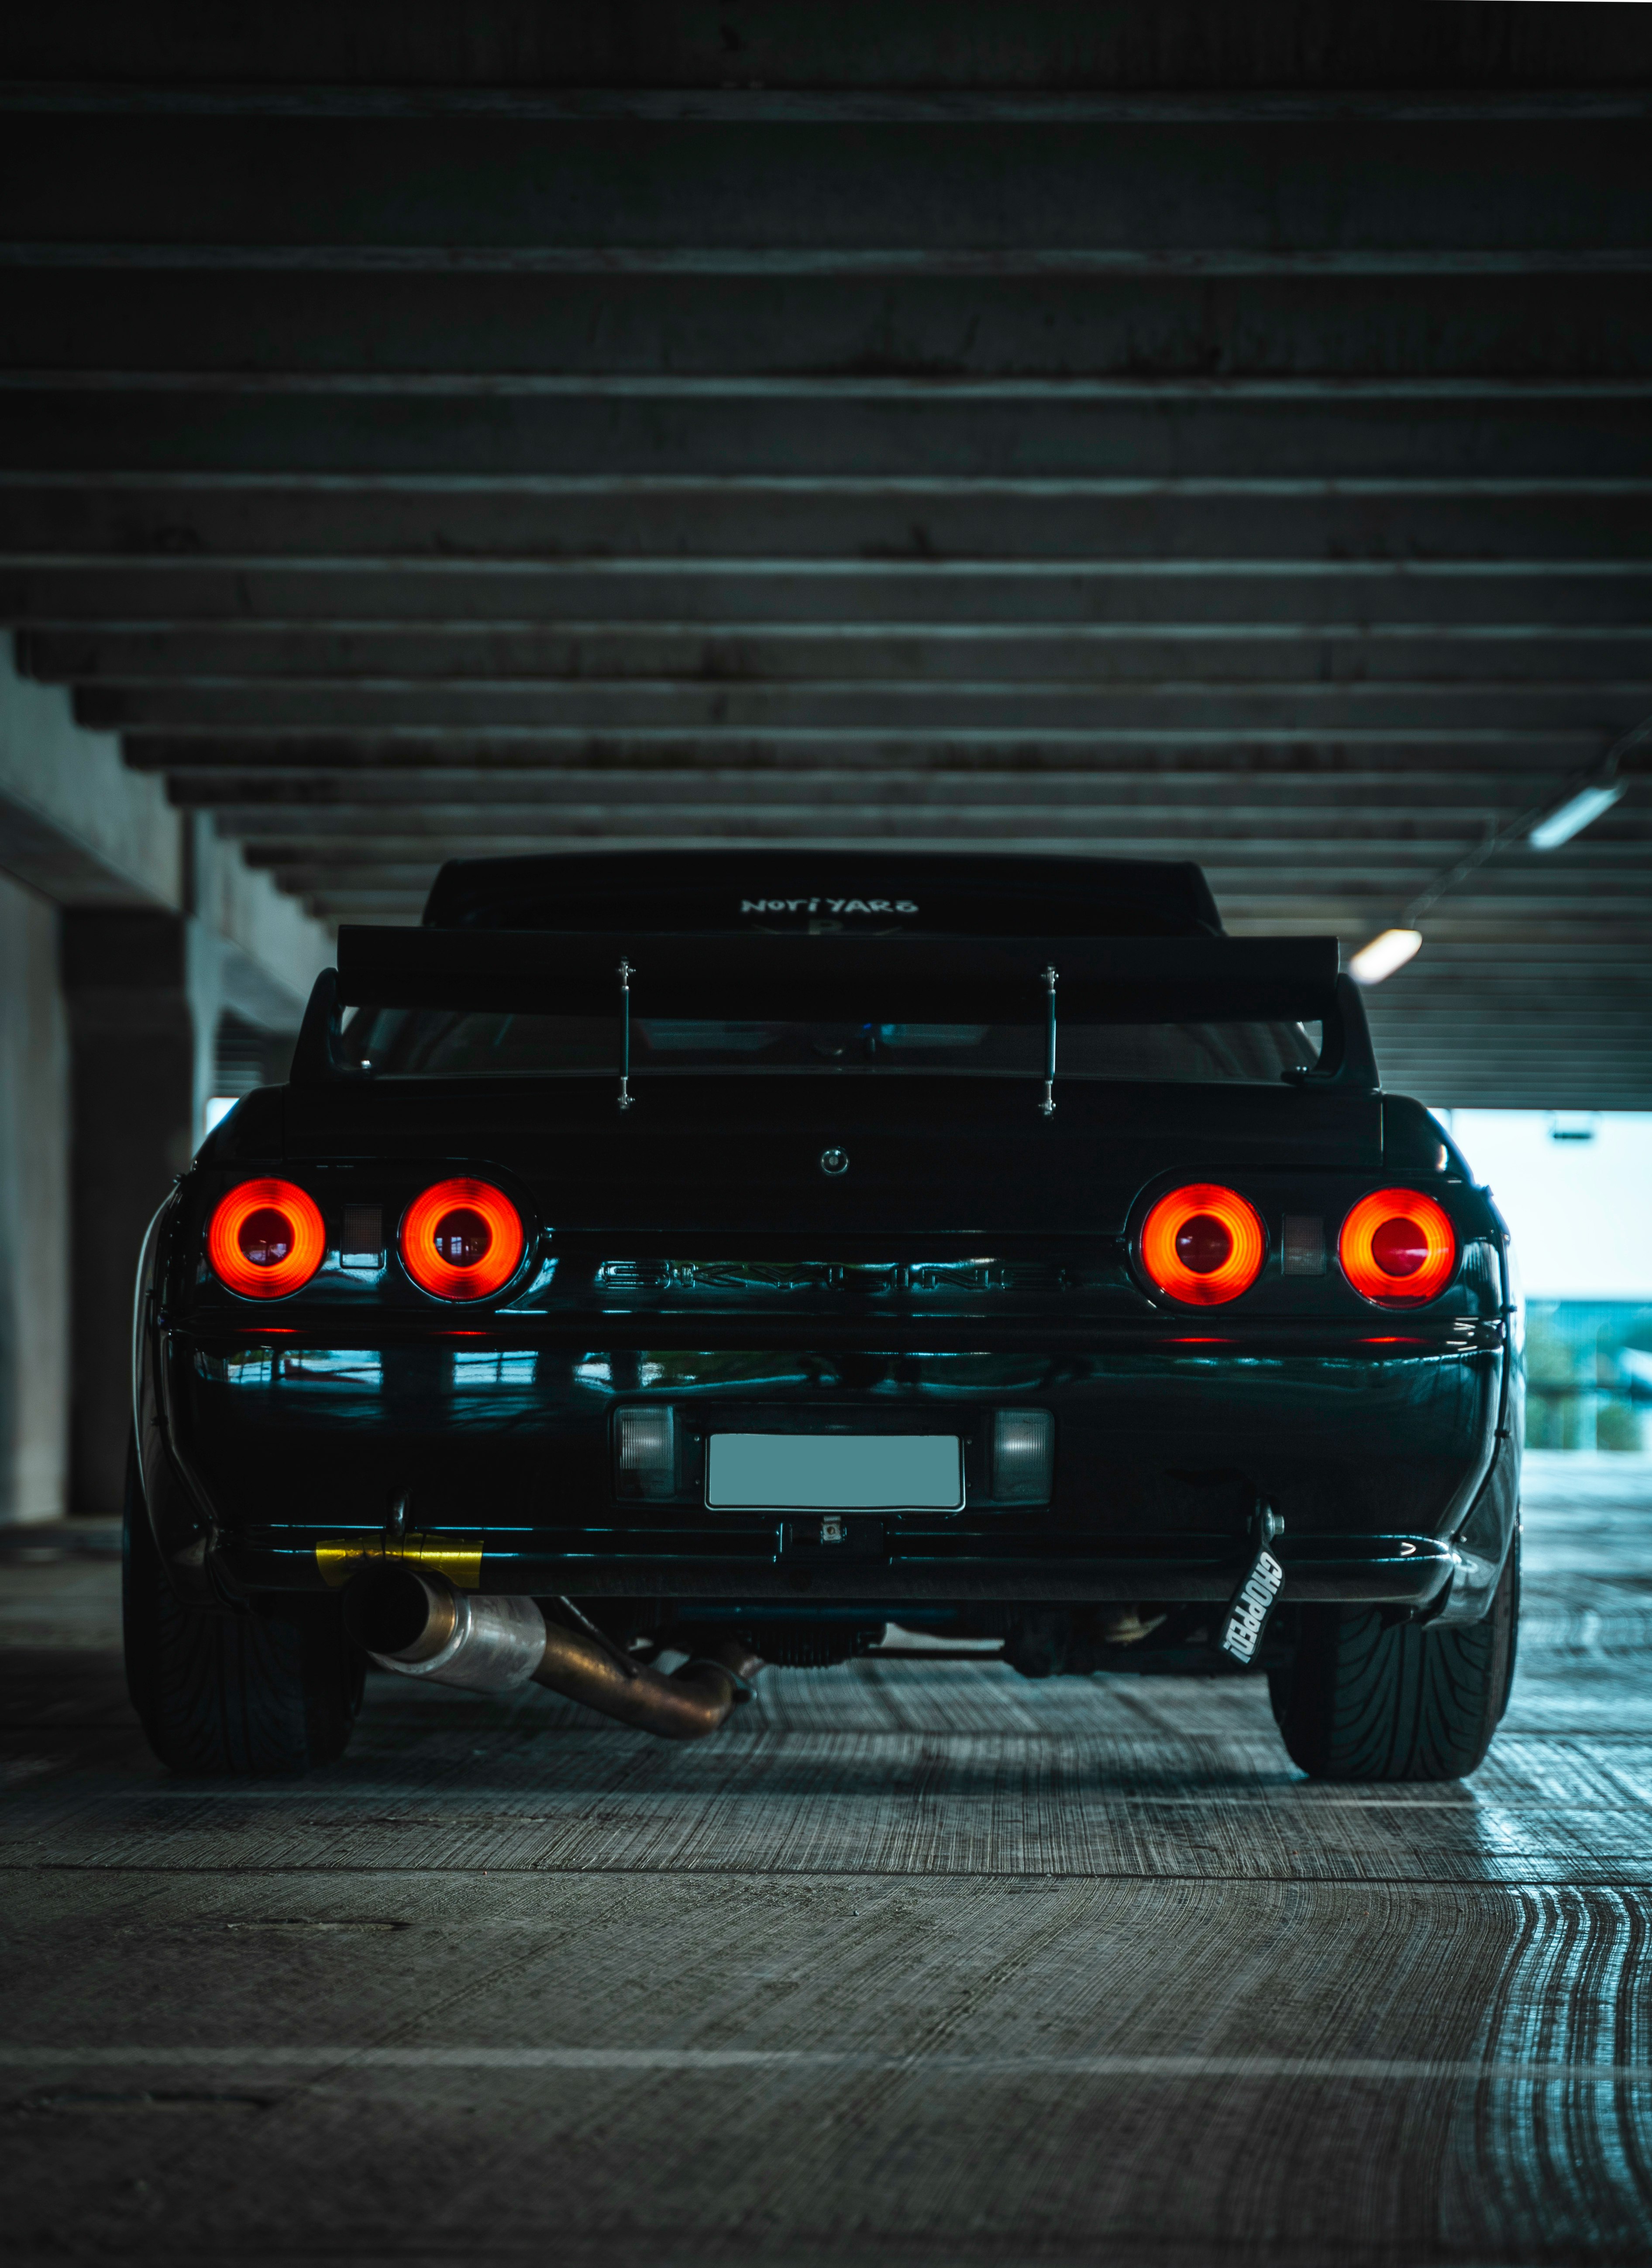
(1545, 828)
(1388, 950)
(1578, 812)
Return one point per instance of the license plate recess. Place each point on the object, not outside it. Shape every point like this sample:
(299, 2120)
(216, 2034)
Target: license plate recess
(834, 1472)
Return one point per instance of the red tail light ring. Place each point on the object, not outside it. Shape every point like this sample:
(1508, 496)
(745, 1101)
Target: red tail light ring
(1203, 1244)
(462, 1240)
(265, 1239)
(1397, 1248)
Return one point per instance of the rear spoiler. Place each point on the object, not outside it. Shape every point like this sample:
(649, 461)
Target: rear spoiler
(837, 978)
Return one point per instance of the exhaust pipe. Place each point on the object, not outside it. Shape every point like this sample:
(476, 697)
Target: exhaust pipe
(421, 1626)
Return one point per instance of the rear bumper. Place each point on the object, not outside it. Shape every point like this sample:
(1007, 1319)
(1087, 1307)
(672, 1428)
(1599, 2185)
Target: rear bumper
(285, 1461)
(899, 1568)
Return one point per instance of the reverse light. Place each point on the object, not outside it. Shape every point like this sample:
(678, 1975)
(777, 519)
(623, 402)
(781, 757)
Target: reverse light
(461, 1239)
(1024, 1442)
(1203, 1244)
(645, 1450)
(1397, 1248)
(266, 1239)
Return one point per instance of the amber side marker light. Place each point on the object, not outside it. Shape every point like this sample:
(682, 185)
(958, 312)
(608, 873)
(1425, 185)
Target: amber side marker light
(265, 1239)
(461, 1239)
(1203, 1244)
(1397, 1248)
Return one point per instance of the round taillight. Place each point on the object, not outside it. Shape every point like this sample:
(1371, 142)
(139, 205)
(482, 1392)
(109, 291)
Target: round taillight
(265, 1239)
(1203, 1244)
(462, 1240)
(1397, 1248)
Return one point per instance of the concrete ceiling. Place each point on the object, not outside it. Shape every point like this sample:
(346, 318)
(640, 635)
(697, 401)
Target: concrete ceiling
(1188, 432)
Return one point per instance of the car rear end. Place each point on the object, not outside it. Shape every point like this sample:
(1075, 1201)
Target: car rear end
(699, 1342)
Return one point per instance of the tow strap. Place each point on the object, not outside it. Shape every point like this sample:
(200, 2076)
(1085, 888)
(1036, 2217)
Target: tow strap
(1251, 1605)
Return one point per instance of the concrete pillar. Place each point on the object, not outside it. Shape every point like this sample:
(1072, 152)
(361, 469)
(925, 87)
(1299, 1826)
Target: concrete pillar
(33, 1211)
(134, 1128)
(127, 929)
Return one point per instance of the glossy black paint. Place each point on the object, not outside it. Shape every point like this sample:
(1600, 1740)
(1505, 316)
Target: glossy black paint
(975, 1256)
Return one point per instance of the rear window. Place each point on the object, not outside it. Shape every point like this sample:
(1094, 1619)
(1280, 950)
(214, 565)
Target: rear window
(433, 1044)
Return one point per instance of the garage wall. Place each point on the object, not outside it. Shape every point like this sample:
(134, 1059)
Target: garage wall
(34, 1260)
(129, 930)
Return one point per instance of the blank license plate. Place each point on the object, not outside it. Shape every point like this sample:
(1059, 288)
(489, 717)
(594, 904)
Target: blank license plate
(834, 1472)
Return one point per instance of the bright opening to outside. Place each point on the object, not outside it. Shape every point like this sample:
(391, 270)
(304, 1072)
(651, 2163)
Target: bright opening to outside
(1575, 1188)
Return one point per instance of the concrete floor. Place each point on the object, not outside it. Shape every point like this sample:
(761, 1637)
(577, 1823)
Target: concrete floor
(919, 1963)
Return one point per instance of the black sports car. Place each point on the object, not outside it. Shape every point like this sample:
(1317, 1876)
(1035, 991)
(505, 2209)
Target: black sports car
(682, 1262)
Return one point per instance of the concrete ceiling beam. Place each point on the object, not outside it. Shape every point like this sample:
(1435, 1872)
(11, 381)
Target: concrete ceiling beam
(1486, 656)
(310, 172)
(1381, 430)
(1019, 312)
(1236, 804)
(123, 524)
(153, 597)
(1470, 752)
(1606, 708)
(1256, 888)
(1393, 835)
(861, 59)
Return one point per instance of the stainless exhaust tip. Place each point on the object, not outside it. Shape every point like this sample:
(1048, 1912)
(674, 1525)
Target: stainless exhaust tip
(421, 1627)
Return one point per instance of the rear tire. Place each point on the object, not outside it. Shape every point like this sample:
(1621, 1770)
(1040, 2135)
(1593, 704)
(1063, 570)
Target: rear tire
(1374, 1701)
(219, 1693)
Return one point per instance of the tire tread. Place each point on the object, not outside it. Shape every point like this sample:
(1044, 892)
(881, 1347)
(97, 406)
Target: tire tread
(1368, 1700)
(225, 1694)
